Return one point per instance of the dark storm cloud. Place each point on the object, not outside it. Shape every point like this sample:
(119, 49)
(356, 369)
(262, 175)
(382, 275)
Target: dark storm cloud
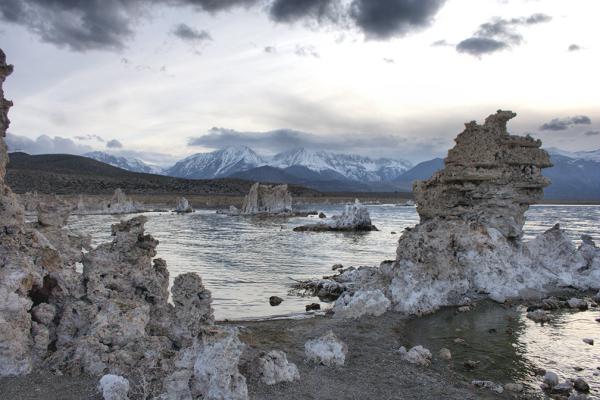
(114, 144)
(45, 145)
(83, 25)
(592, 133)
(276, 141)
(478, 46)
(388, 18)
(78, 24)
(562, 124)
(294, 10)
(498, 34)
(189, 34)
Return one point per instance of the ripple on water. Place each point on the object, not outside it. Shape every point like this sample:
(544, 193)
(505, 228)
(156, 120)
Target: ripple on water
(244, 261)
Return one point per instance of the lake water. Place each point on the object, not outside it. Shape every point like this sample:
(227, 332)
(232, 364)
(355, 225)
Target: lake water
(245, 260)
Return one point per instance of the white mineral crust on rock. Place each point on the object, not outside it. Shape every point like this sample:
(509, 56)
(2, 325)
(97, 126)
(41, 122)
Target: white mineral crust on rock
(274, 367)
(327, 350)
(363, 302)
(183, 206)
(355, 217)
(114, 387)
(266, 199)
(418, 355)
(216, 369)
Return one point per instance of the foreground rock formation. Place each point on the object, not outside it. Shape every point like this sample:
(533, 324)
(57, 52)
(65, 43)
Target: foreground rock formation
(266, 199)
(468, 243)
(355, 218)
(114, 317)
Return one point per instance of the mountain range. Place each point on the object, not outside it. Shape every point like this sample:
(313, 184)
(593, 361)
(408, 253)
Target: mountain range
(575, 175)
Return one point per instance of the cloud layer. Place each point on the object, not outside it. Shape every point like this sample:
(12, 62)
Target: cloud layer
(562, 124)
(279, 140)
(83, 25)
(498, 34)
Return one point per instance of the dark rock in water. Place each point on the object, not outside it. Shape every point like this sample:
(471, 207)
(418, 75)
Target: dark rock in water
(313, 307)
(470, 364)
(322, 215)
(335, 267)
(275, 300)
(581, 385)
(588, 341)
(550, 379)
(563, 388)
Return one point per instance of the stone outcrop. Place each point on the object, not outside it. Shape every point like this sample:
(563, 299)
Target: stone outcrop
(469, 239)
(183, 206)
(327, 350)
(355, 218)
(119, 203)
(361, 303)
(273, 367)
(114, 317)
(266, 199)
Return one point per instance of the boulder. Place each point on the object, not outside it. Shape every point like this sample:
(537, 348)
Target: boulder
(114, 387)
(273, 367)
(418, 355)
(327, 350)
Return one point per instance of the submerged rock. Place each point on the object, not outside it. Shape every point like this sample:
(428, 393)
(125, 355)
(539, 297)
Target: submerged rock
(363, 302)
(418, 355)
(273, 368)
(355, 218)
(266, 199)
(275, 301)
(114, 387)
(183, 206)
(327, 350)
(495, 387)
(539, 316)
(445, 354)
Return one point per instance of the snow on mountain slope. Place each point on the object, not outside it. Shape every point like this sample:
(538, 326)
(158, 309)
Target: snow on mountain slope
(128, 164)
(217, 164)
(350, 166)
(593, 155)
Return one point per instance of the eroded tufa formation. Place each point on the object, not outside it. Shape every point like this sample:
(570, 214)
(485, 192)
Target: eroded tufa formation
(490, 177)
(114, 317)
(266, 199)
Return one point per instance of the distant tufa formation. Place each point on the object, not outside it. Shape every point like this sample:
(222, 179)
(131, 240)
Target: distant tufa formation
(106, 311)
(267, 199)
(490, 177)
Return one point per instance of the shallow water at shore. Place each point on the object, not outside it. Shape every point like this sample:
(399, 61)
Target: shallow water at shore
(245, 260)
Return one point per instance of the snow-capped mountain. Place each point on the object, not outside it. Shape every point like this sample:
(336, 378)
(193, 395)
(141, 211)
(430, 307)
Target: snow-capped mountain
(348, 166)
(593, 155)
(217, 164)
(129, 164)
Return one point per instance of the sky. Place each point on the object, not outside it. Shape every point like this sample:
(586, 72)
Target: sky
(163, 79)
